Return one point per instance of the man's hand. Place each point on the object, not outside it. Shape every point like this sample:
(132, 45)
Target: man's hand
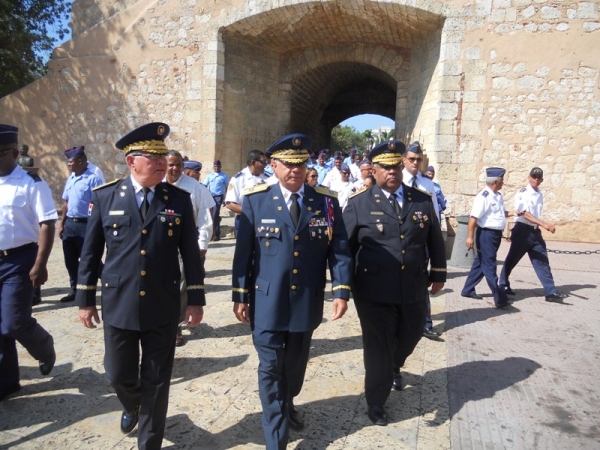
(242, 312)
(436, 287)
(38, 274)
(86, 314)
(193, 315)
(340, 306)
(61, 229)
(203, 253)
(550, 227)
(469, 243)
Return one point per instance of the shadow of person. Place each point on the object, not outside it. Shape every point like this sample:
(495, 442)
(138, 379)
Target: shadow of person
(524, 294)
(69, 397)
(186, 369)
(477, 380)
(462, 317)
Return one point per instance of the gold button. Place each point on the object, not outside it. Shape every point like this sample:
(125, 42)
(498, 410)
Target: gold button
(403, 266)
(256, 286)
(293, 287)
(296, 237)
(144, 231)
(143, 252)
(143, 273)
(401, 222)
(142, 293)
(174, 281)
(105, 284)
(403, 252)
(296, 253)
(401, 236)
(114, 225)
(295, 271)
(365, 269)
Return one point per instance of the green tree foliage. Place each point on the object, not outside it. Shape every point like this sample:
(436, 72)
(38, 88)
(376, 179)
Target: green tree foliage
(343, 138)
(25, 41)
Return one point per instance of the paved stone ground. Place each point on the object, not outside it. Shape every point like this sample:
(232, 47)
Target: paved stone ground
(521, 378)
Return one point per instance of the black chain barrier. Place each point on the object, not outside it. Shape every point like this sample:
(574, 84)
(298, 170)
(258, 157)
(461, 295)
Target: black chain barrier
(575, 252)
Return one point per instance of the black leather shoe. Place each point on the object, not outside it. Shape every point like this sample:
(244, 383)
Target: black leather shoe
(5, 392)
(36, 300)
(509, 291)
(47, 366)
(556, 297)
(397, 383)
(503, 305)
(68, 298)
(295, 420)
(378, 415)
(129, 420)
(472, 295)
(430, 333)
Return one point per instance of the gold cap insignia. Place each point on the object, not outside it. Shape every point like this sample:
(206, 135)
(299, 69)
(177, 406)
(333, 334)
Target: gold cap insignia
(161, 130)
(392, 145)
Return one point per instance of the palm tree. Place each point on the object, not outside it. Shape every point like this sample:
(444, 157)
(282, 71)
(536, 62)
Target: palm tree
(369, 138)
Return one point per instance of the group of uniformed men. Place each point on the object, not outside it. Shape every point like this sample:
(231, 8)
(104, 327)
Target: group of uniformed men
(386, 249)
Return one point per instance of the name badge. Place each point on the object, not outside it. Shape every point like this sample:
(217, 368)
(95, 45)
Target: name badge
(116, 213)
(268, 221)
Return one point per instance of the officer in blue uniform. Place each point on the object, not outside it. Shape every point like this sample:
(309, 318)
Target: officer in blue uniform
(217, 182)
(488, 219)
(143, 222)
(77, 196)
(27, 219)
(288, 233)
(392, 228)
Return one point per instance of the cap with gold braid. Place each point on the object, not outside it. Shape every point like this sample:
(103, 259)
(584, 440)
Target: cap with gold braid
(388, 153)
(148, 138)
(291, 149)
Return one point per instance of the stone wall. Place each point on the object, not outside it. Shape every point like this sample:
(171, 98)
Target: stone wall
(492, 82)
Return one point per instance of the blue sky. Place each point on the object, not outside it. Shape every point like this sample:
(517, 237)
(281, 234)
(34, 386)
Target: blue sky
(368, 122)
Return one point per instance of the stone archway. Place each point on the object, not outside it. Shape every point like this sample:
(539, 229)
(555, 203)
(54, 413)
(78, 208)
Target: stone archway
(306, 67)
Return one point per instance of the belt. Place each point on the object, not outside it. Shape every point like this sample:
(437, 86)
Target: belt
(22, 248)
(490, 229)
(78, 219)
(535, 227)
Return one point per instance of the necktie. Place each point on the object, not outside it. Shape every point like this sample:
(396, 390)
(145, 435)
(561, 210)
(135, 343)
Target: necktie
(414, 182)
(395, 204)
(295, 209)
(145, 204)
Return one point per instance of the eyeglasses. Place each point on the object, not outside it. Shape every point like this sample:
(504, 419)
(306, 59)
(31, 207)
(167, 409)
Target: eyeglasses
(150, 156)
(262, 161)
(7, 150)
(313, 176)
(413, 160)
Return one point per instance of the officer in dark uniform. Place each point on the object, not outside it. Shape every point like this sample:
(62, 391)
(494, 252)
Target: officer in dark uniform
(27, 218)
(391, 230)
(288, 232)
(143, 222)
(77, 196)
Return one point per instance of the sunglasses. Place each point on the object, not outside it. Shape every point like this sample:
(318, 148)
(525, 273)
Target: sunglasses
(413, 160)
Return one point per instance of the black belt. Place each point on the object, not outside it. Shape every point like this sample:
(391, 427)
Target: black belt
(490, 229)
(22, 248)
(77, 219)
(535, 227)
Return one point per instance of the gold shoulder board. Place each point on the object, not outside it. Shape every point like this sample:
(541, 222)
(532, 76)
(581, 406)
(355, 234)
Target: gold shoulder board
(326, 191)
(110, 183)
(257, 188)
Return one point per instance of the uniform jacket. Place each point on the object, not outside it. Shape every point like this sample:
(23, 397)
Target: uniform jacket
(390, 254)
(281, 270)
(140, 279)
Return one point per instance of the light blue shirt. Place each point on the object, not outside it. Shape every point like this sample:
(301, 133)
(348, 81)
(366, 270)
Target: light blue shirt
(217, 183)
(78, 193)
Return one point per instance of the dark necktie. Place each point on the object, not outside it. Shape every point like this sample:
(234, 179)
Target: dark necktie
(295, 209)
(414, 182)
(395, 204)
(145, 204)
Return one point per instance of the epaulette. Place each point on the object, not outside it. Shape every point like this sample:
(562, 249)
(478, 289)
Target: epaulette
(239, 174)
(260, 187)
(360, 191)
(110, 183)
(420, 189)
(325, 191)
(485, 193)
(35, 176)
(523, 190)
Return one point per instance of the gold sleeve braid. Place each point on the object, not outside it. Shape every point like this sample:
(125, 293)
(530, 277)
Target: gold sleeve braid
(83, 287)
(341, 286)
(196, 287)
(240, 290)
(439, 269)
